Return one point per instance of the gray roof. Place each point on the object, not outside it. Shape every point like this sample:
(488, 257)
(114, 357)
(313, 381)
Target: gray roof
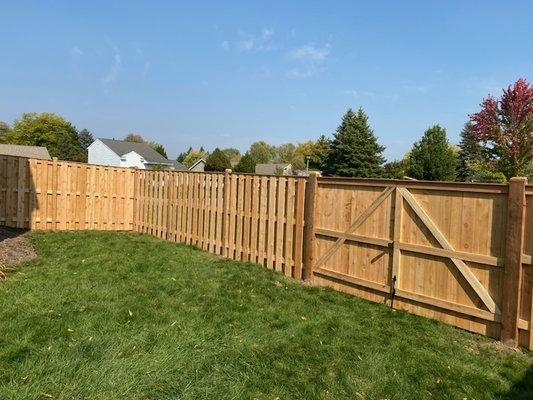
(24, 151)
(121, 147)
(269, 169)
(178, 166)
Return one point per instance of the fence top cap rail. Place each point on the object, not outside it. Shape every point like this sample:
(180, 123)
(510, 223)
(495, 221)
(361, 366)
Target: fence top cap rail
(445, 185)
(268, 175)
(27, 158)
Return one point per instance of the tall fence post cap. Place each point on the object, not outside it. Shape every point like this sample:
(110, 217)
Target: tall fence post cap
(228, 170)
(315, 173)
(518, 179)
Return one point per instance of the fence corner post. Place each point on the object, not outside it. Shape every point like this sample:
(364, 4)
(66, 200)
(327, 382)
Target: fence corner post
(516, 213)
(309, 226)
(225, 212)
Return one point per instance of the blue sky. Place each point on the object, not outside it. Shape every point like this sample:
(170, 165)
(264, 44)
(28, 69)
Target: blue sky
(230, 73)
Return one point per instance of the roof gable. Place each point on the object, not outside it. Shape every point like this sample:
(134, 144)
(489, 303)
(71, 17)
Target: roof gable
(121, 147)
(270, 168)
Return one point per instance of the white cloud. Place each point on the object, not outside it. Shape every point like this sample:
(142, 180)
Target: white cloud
(311, 53)
(309, 59)
(252, 42)
(75, 51)
(116, 66)
(247, 44)
(299, 73)
(267, 32)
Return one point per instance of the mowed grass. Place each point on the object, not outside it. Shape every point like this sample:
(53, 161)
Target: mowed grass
(125, 316)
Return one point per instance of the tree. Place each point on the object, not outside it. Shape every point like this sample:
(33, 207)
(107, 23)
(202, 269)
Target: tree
(504, 128)
(134, 137)
(233, 154)
(319, 153)
(50, 130)
(432, 158)
(287, 153)
(217, 161)
(158, 147)
(355, 150)
(182, 156)
(304, 151)
(262, 152)
(470, 154)
(193, 156)
(85, 138)
(395, 169)
(4, 130)
(246, 164)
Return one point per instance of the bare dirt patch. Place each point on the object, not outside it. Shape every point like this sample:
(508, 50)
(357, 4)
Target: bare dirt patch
(14, 248)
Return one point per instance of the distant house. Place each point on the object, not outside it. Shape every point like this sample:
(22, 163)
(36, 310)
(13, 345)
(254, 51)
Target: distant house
(273, 169)
(24, 151)
(199, 165)
(120, 153)
(177, 166)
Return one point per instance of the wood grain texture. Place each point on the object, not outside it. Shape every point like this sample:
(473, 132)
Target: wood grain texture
(516, 209)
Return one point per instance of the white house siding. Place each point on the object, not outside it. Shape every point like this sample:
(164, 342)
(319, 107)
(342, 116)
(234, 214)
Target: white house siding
(132, 159)
(199, 167)
(99, 153)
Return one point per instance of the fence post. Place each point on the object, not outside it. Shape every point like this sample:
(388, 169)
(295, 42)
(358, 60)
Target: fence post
(309, 226)
(516, 207)
(225, 212)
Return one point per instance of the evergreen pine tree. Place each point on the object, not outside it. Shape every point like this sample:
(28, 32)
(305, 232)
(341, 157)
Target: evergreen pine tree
(320, 152)
(355, 150)
(246, 164)
(470, 152)
(394, 169)
(432, 158)
(474, 161)
(182, 156)
(217, 161)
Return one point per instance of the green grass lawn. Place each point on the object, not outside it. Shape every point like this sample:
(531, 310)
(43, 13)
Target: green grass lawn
(127, 316)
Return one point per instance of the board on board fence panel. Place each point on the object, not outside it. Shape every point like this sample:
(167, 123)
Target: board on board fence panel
(61, 195)
(248, 218)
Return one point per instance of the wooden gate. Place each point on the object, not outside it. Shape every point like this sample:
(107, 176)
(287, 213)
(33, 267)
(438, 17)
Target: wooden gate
(441, 246)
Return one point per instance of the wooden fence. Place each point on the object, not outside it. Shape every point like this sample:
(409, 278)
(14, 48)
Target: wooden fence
(242, 217)
(460, 253)
(51, 194)
(447, 251)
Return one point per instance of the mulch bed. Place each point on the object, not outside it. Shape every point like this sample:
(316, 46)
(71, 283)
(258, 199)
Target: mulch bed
(14, 248)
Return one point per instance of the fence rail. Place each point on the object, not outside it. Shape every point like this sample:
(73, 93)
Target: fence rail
(457, 252)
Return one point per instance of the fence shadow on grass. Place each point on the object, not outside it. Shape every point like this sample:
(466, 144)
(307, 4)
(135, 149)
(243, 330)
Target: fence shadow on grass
(521, 390)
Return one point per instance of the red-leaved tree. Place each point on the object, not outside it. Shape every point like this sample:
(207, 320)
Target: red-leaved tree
(504, 128)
